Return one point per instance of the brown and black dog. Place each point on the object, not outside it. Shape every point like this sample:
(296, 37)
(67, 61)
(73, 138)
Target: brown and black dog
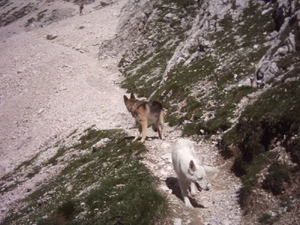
(146, 113)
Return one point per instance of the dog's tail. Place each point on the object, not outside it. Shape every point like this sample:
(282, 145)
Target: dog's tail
(160, 123)
(211, 171)
(154, 128)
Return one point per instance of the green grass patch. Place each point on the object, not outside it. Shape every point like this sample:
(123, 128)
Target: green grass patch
(106, 186)
(8, 181)
(266, 218)
(277, 175)
(190, 129)
(250, 170)
(261, 125)
(272, 116)
(144, 73)
(60, 152)
(223, 113)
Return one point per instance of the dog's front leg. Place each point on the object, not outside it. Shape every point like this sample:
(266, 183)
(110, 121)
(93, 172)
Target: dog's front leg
(184, 186)
(137, 133)
(193, 189)
(144, 130)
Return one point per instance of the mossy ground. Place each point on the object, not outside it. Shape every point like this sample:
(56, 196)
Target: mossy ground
(108, 185)
(272, 119)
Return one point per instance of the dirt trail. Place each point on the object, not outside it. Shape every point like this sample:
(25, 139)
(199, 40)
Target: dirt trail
(217, 206)
(51, 87)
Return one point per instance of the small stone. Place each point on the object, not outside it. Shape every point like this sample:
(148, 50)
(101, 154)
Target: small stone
(41, 110)
(3, 209)
(177, 221)
(51, 36)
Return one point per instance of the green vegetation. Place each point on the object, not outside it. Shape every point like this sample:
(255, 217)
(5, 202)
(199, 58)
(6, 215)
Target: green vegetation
(272, 118)
(29, 22)
(108, 185)
(179, 2)
(277, 175)
(41, 14)
(144, 73)
(7, 181)
(267, 219)
(184, 82)
(248, 173)
(14, 14)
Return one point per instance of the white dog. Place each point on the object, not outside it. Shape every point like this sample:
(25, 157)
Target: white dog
(189, 169)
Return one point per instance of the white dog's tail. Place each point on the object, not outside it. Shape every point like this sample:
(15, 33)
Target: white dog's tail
(211, 171)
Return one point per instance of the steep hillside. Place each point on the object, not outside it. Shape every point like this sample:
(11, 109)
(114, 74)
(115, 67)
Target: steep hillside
(226, 71)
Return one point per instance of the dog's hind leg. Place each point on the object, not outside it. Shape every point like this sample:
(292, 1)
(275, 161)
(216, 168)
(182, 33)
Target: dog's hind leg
(161, 125)
(155, 127)
(161, 132)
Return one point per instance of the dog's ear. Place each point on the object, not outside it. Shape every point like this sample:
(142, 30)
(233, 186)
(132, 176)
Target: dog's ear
(132, 96)
(192, 167)
(125, 98)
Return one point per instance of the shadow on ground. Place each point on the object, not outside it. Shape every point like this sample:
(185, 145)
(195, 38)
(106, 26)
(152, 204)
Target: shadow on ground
(172, 183)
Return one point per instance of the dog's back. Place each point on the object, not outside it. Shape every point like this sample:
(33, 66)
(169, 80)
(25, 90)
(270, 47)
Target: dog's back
(155, 107)
(155, 113)
(183, 152)
(146, 113)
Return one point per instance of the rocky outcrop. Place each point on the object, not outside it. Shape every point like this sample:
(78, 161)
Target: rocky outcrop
(267, 68)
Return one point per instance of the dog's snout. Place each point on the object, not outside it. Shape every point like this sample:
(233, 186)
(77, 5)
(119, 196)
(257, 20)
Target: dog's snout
(202, 186)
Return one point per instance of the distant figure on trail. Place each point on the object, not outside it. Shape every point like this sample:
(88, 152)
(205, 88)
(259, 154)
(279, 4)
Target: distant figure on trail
(81, 6)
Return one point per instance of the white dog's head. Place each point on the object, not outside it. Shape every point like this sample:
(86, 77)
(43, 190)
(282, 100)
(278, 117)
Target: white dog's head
(197, 174)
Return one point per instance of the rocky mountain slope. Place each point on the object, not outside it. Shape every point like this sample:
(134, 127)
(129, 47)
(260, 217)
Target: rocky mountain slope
(226, 72)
